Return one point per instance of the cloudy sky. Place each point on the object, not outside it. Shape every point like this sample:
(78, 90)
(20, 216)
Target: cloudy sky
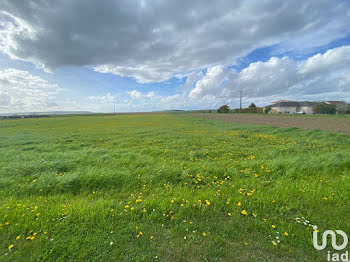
(155, 55)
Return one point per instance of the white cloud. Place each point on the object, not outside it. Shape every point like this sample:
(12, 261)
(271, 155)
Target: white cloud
(333, 60)
(21, 91)
(210, 82)
(156, 41)
(106, 99)
(138, 95)
(320, 77)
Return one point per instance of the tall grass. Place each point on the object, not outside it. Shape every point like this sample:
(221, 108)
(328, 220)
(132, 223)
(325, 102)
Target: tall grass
(84, 188)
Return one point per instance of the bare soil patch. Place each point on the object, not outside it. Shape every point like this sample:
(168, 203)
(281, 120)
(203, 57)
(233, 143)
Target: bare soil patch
(328, 123)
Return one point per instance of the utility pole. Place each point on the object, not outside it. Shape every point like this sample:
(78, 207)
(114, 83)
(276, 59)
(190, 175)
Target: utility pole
(240, 100)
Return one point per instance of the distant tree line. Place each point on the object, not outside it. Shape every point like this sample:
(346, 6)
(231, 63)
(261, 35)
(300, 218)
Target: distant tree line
(323, 108)
(23, 116)
(251, 109)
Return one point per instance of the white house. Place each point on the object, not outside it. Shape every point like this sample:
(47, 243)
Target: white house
(292, 107)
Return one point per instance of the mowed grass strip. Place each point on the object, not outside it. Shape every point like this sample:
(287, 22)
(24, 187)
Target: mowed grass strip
(169, 188)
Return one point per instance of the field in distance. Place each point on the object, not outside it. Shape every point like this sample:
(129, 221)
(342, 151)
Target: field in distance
(332, 123)
(168, 187)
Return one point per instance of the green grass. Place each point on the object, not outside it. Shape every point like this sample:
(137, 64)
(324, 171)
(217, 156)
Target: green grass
(70, 185)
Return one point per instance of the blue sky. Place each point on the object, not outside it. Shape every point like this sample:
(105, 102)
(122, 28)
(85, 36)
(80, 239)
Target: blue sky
(62, 56)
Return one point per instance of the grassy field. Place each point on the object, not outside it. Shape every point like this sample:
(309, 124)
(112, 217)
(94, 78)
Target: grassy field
(168, 187)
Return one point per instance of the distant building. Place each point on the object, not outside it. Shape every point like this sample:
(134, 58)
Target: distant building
(291, 107)
(335, 103)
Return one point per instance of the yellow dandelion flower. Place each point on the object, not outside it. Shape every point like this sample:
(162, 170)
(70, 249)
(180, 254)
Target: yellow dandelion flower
(151, 237)
(239, 204)
(274, 243)
(273, 226)
(204, 234)
(244, 212)
(229, 214)
(207, 202)
(18, 237)
(10, 246)
(286, 234)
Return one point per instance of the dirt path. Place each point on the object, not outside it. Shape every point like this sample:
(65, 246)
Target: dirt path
(327, 123)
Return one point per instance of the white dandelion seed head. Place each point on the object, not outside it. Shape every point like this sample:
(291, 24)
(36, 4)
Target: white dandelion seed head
(111, 243)
(315, 227)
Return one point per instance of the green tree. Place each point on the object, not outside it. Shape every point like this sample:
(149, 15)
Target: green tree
(224, 109)
(267, 109)
(322, 108)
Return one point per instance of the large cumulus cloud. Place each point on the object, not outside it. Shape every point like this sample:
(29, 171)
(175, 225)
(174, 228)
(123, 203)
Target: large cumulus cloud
(155, 40)
(320, 77)
(21, 91)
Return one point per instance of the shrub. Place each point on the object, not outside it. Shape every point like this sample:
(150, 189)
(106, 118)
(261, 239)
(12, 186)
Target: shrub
(322, 108)
(224, 109)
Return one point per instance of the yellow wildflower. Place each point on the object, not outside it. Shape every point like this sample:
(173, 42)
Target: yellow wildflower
(244, 212)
